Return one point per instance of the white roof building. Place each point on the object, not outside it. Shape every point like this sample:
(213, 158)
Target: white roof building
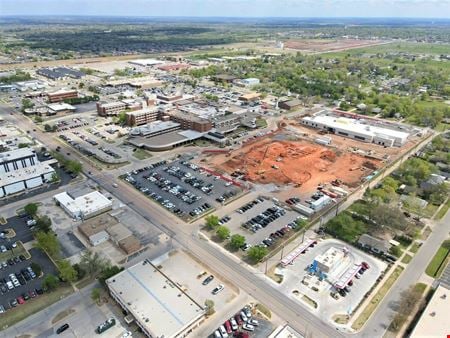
(85, 206)
(158, 305)
(358, 129)
(146, 62)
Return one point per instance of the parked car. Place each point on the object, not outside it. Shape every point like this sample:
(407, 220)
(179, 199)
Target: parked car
(217, 289)
(62, 328)
(208, 280)
(248, 327)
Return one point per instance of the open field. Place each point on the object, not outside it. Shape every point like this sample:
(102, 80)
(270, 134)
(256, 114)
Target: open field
(310, 45)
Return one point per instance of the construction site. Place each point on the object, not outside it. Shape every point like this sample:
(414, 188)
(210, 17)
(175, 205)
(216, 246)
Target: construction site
(296, 163)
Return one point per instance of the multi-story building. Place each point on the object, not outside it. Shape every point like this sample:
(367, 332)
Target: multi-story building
(61, 95)
(157, 304)
(110, 108)
(143, 116)
(189, 121)
(21, 170)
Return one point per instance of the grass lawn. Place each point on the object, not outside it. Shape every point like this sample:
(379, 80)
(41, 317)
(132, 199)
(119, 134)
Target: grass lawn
(406, 259)
(376, 299)
(415, 247)
(32, 306)
(261, 123)
(443, 210)
(141, 154)
(437, 264)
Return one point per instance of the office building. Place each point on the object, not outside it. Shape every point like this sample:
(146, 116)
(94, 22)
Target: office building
(21, 170)
(141, 117)
(61, 95)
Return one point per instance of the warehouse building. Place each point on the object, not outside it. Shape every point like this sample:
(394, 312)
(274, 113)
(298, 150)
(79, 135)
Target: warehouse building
(61, 95)
(60, 73)
(83, 207)
(158, 305)
(360, 130)
(21, 170)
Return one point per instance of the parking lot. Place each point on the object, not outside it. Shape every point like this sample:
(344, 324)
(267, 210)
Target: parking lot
(308, 288)
(262, 221)
(183, 188)
(246, 323)
(27, 285)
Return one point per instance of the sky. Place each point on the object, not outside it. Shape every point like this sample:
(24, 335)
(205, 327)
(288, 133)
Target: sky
(231, 8)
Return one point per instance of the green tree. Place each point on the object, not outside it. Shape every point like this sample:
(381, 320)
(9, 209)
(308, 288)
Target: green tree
(92, 263)
(108, 272)
(50, 282)
(48, 243)
(237, 241)
(223, 232)
(95, 294)
(36, 268)
(212, 221)
(27, 104)
(31, 209)
(256, 253)
(66, 271)
(54, 178)
(44, 223)
(209, 307)
(122, 118)
(74, 166)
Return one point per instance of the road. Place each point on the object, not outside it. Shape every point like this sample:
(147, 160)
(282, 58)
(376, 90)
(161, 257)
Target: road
(297, 316)
(381, 319)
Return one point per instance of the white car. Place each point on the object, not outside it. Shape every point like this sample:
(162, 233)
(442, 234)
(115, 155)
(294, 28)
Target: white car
(217, 289)
(253, 322)
(248, 327)
(234, 325)
(127, 334)
(223, 332)
(243, 316)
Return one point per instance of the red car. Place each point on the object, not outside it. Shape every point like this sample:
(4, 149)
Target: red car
(32, 294)
(240, 334)
(350, 283)
(227, 325)
(365, 265)
(238, 319)
(20, 300)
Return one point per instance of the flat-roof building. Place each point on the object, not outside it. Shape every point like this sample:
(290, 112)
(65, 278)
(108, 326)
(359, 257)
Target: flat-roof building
(61, 95)
(21, 170)
(143, 116)
(290, 104)
(154, 128)
(85, 206)
(330, 259)
(110, 108)
(189, 121)
(157, 304)
(59, 73)
(54, 108)
(358, 129)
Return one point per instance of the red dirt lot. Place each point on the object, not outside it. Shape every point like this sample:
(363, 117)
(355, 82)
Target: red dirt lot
(300, 163)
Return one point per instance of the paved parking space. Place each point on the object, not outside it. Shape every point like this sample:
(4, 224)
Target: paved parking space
(182, 187)
(256, 234)
(20, 227)
(37, 256)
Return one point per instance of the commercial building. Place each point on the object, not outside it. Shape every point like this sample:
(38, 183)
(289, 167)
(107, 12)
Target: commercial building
(158, 305)
(251, 81)
(166, 141)
(358, 129)
(21, 170)
(54, 108)
(61, 95)
(143, 116)
(110, 108)
(29, 85)
(173, 67)
(226, 123)
(154, 129)
(85, 206)
(329, 260)
(290, 104)
(189, 121)
(146, 62)
(250, 97)
(60, 73)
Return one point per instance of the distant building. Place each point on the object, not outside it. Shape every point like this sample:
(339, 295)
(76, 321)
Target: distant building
(249, 97)
(189, 121)
(157, 304)
(60, 73)
(54, 108)
(173, 67)
(83, 207)
(226, 123)
(110, 108)
(224, 78)
(61, 95)
(21, 170)
(290, 104)
(154, 128)
(252, 81)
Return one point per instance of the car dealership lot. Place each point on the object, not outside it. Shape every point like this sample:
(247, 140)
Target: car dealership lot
(183, 188)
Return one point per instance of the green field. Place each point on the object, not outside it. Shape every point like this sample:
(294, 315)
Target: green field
(141, 154)
(437, 264)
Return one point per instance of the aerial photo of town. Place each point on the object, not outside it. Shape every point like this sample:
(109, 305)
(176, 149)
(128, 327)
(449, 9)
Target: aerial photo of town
(215, 169)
